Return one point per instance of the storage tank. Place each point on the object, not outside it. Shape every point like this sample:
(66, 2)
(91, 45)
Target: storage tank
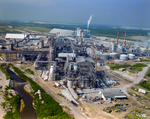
(113, 46)
(41, 44)
(131, 56)
(106, 56)
(124, 57)
(70, 84)
(114, 55)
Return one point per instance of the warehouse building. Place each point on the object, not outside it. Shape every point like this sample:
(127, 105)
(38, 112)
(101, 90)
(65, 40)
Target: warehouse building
(112, 93)
(11, 36)
(62, 32)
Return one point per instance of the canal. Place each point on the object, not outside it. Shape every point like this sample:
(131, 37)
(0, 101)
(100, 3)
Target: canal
(28, 112)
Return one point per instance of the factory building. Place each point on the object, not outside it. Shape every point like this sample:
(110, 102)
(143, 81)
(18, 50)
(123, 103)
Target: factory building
(85, 33)
(109, 94)
(11, 36)
(85, 60)
(62, 32)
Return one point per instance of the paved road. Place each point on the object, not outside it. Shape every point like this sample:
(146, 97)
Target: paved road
(141, 74)
(137, 80)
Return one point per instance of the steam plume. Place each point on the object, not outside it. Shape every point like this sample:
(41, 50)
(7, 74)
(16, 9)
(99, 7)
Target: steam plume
(88, 22)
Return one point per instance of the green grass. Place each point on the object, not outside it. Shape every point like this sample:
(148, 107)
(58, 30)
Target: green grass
(29, 71)
(135, 68)
(66, 107)
(113, 107)
(11, 104)
(60, 95)
(39, 29)
(5, 72)
(134, 89)
(148, 74)
(22, 68)
(5, 29)
(145, 84)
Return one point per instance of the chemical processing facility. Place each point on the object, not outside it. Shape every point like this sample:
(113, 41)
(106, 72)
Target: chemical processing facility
(75, 62)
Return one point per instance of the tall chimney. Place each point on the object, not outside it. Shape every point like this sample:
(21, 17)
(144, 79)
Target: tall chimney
(125, 38)
(117, 36)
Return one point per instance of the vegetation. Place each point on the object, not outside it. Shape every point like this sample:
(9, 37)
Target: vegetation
(5, 29)
(5, 72)
(29, 71)
(39, 29)
(60, 95)
(22, 68)
(11, 104)
(145, 84)
(148, 74)
(134, 68)
(134, 89)
(50, 108)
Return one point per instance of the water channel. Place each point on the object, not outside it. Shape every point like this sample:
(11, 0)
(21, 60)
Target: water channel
(28, 112)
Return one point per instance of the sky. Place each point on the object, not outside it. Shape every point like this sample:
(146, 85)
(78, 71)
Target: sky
(134, 13)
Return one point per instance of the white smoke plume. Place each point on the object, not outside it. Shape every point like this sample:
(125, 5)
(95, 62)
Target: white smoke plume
(88, 22)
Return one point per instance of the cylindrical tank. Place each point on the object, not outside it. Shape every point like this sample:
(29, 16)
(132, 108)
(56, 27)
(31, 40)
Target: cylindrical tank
(114, 55)
(75, 67)
(70, 84)
(41, 44)
(113, 47)
(124, 57)
(131, 56)
(105, 56)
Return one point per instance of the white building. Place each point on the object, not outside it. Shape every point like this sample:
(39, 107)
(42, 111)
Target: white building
(62, 32)
(142, 91)
(112, 93)
(15, 36)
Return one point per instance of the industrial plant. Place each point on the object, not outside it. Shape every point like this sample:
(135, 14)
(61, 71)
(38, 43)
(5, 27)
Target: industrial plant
(74, 60)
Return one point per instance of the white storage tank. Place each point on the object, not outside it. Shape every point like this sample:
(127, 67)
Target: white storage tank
(114, 55)
(131, 56)
(70, 84)
(106, 56)
(124, 57)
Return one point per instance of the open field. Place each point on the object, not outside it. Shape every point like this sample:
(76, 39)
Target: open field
(39, 29)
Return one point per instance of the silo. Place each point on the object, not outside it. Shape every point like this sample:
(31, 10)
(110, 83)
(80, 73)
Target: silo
(41, 44)
(70, 84)
(124, 57)
(105, 56)
(131, 56)
(114, 55)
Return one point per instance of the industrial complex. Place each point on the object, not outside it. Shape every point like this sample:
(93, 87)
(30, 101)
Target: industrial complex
(75, 61)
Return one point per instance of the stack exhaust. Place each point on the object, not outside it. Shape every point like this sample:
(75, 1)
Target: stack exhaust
(117, 36)
(125, 38)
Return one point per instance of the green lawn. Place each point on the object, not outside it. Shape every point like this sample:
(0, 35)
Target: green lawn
(135, 68)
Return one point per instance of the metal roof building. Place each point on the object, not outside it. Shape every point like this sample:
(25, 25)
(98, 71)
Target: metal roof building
(66, 54)
(112, 93)
(84, 59)
(15, 36)
(62, 32)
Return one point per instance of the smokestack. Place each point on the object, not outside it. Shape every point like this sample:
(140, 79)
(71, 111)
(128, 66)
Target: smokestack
(80, 33)
(125, 38)
(117, 36)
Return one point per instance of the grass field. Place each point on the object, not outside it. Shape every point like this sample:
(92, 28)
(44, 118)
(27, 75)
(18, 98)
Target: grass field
(5, 29)
(135, 68)
(39, 29)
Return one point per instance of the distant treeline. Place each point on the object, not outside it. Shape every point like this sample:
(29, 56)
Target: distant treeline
(99, 30)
